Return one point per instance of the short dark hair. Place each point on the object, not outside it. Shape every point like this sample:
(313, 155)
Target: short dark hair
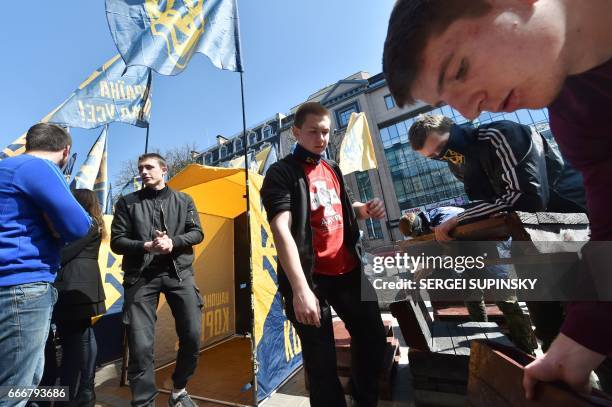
(425, 124)
(307, 108)
(161, 160)
(47, 137)
(411, 25)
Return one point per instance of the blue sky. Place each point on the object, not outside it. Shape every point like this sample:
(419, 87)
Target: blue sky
(290, 50)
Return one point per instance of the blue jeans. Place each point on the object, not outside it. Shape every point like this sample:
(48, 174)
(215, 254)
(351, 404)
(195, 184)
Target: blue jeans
(25, 316)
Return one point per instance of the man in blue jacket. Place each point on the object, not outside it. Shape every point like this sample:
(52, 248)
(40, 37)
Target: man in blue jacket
(38, 214)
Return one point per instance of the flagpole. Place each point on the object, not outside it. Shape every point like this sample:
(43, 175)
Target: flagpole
(147, 140)
(248, 222)
(382, 192)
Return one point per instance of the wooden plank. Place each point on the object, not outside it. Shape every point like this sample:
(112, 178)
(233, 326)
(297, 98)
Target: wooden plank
(455, 312)
(496, 376)
(493, 334)
(473, 330)
(460, 340)
(486, 229)
(221, 374)
(415, 329)
(552, 218)
(438, 367)
(441, 338)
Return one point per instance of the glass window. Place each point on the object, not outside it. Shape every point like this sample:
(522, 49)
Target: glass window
(238, 143)
(267, 131)
(389, 102)
(223, 152)
(344, 114)
(252, 138)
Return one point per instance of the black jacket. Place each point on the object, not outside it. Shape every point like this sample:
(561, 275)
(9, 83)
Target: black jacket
(507, 166)
(133, 226)
(285, 188)
(78, 282)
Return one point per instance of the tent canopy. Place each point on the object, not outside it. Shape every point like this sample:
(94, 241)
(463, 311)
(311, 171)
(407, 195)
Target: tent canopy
(215, 191)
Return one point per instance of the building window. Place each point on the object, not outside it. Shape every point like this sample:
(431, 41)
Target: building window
(222, 152)
(252, 138)
(267, 131)
(238, 144)
(215, 156)
(344, 114)
(389, 102)
(373, 226)
(208, 159)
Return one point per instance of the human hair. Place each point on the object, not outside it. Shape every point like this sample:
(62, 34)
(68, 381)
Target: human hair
(89, 201)
(423, 125)
(161, 160)
(405, 224)
(47, 137)
(307, 108)
(412, 224)
(411, 25)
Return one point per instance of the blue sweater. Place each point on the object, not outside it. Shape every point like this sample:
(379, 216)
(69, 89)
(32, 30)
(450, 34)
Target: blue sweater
(34, 195)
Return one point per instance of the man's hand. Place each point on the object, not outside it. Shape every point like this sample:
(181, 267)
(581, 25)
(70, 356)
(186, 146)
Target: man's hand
(148, 246)
(443, 231)
(306, 307)
(162, 243)
(375, 209)
(567, 361)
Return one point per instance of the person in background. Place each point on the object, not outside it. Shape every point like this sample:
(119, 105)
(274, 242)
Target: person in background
(80, 297)
(38, 215)
(503, 166)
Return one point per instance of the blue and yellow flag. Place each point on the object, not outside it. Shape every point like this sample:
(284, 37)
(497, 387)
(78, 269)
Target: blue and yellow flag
(111, 93)
(164, 34)
(15, 148)
(92, 174)
(67, 170)
(357, 151)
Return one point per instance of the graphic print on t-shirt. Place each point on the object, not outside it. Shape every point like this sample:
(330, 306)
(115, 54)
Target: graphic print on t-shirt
(323, 196)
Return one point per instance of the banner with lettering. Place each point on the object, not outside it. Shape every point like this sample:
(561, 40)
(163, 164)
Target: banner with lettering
(112, 93)
(278, 347)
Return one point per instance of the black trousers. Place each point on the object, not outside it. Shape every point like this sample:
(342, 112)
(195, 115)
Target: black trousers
(363, 321)
(139, 315)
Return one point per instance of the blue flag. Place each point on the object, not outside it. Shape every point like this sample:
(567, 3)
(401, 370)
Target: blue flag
(93, 175)
(67, 170)
(164, 34)
(15, 148)
(112, 93)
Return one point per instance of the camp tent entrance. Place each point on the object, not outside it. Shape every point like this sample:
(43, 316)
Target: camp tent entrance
(248, 342)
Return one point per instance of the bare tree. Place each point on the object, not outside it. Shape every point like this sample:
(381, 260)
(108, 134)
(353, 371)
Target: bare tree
(176, 157)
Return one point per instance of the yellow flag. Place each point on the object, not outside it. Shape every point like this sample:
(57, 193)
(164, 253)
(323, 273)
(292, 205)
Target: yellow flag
(357, 150)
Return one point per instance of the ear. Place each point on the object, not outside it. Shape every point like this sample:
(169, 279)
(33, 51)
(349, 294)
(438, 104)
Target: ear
(295, 131)
(66, 151)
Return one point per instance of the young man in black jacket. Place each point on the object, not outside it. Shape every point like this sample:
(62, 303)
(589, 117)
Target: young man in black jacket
(314, 223)
(504, 166)
(155, 230)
